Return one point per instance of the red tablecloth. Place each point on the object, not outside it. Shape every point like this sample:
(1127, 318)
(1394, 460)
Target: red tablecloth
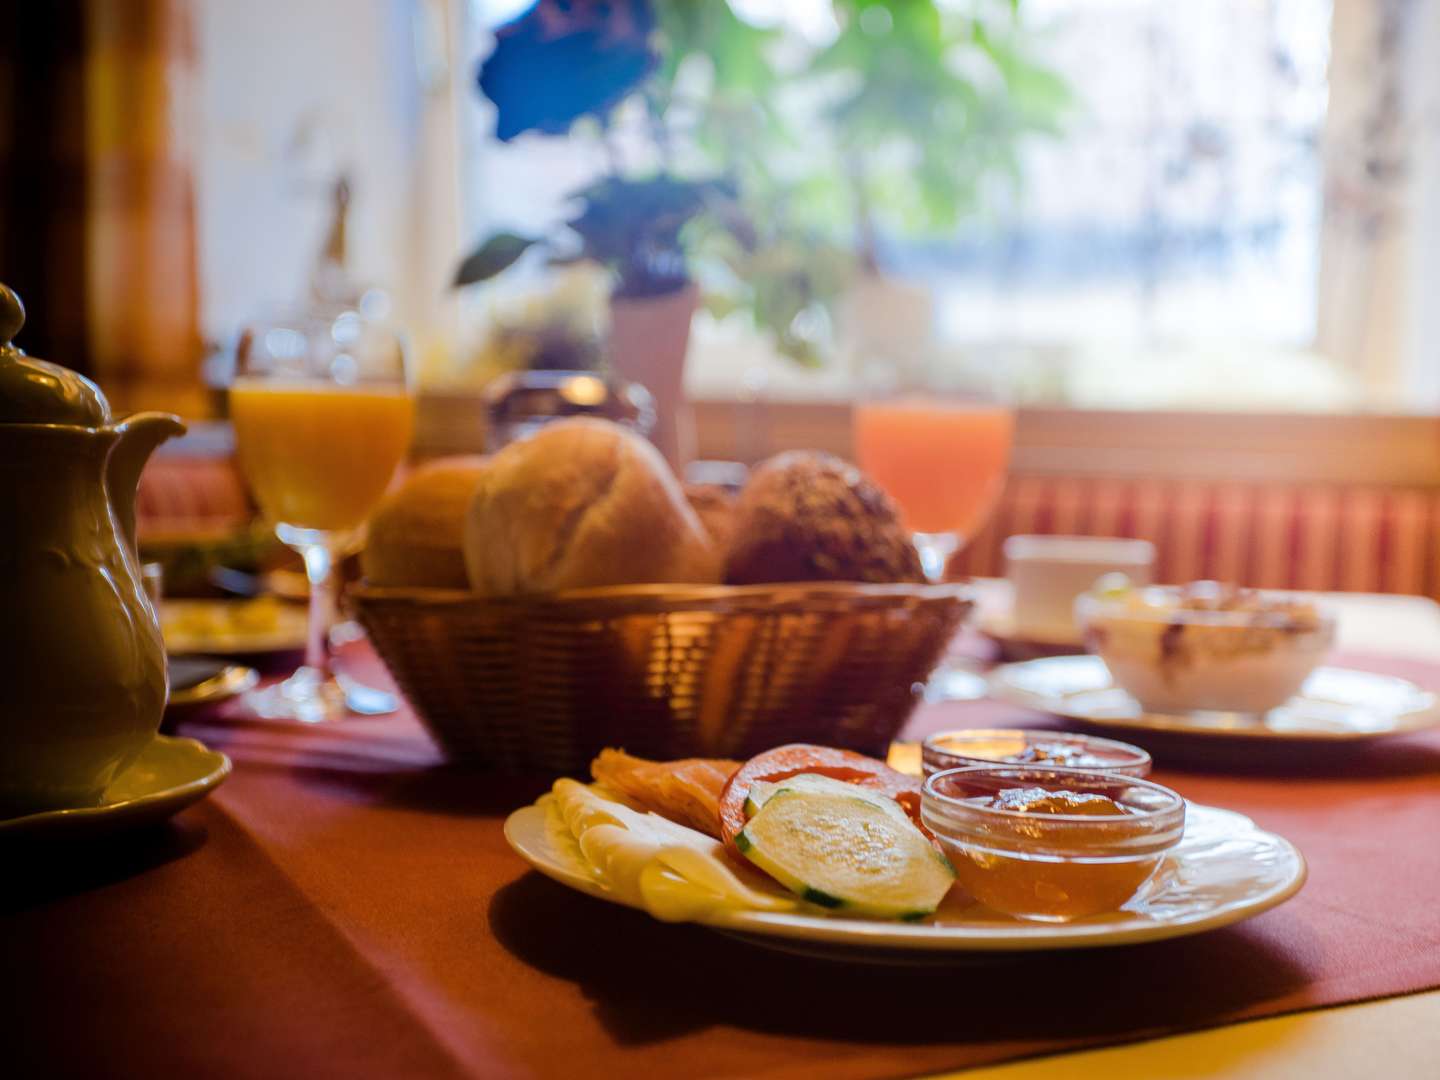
(346, 906)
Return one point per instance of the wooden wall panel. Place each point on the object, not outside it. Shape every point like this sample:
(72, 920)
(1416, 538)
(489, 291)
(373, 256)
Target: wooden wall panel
(1299, 501)
(1403, 451)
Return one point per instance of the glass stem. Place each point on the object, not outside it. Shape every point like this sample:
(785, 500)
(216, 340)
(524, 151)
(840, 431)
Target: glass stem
(319, 569)
(935, 550)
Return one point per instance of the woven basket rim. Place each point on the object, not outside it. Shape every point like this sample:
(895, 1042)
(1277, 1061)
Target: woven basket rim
(786, 592)
(678, 670)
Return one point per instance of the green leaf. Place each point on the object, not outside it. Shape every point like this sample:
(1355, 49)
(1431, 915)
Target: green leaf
(493, 257)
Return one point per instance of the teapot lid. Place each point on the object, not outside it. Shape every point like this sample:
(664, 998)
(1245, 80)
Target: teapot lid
(36, 391)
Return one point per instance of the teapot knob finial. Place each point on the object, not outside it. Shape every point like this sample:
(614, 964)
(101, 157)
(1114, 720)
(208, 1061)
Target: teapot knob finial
(12, 315)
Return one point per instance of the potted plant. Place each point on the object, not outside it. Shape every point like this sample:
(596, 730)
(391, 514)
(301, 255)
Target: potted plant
(777, 210)
(633, 222)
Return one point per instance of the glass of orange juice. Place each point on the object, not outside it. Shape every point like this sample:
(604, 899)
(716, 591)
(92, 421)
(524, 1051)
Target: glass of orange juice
(323, 413)
(944, 462)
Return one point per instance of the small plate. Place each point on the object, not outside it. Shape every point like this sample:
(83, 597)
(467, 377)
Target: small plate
(1224, 869)
(1000, 628)
(169, 775)
(209, 626)
(1334, 704)
(288, 585)
(201, 680)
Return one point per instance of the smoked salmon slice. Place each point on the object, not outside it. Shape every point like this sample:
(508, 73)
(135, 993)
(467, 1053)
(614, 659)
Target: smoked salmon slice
(686, 791)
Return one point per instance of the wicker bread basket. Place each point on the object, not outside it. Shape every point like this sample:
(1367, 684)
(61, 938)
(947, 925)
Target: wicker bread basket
(664, 671)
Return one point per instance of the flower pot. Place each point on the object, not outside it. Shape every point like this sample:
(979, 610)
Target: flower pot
(648, 341)
(887, 330)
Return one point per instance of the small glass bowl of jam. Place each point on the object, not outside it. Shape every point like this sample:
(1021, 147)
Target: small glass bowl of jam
(1051, 844)
(1021, 746)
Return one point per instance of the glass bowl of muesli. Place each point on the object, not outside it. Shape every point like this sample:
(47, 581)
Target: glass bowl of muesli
(1206, 646)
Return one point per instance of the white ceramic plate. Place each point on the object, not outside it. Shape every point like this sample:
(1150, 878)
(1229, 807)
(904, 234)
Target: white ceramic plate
(169, 775)
(209, 627)
(1223, 870)
(1335, 704)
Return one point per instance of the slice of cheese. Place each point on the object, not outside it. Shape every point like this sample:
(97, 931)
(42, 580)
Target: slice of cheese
(673, 872)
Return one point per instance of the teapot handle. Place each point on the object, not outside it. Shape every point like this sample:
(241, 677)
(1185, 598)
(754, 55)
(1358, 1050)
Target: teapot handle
(139, 435)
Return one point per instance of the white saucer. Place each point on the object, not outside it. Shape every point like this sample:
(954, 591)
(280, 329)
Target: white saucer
(1017, 644)
(1335, 704)
(169, 775)
(1224, 869)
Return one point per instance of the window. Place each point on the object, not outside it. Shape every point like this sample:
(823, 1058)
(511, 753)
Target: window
(1167, 251)
(1184, 201)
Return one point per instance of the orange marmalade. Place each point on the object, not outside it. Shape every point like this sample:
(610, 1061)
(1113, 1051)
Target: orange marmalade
(1051, 845)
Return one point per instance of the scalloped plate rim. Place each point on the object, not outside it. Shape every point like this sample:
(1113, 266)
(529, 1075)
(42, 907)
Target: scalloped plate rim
(525, 833)
(1003, 689)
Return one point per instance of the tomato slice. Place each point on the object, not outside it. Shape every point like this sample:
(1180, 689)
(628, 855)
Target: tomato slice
(796, 758)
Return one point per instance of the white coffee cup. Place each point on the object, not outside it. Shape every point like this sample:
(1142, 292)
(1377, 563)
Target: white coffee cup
(1047, 573)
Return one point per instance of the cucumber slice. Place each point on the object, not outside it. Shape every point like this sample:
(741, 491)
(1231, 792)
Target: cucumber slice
(758, 795)
(846, 853)
(762, 791)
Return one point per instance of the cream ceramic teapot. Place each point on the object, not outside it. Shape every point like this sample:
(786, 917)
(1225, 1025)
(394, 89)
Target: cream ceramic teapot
(82, 665)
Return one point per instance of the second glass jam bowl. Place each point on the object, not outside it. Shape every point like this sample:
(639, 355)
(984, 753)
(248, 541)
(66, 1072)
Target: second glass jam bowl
(1028, 747)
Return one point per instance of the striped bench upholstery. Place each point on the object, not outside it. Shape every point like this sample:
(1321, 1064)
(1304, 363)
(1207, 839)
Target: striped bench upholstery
(1333, 538)
(191, 496)
(1342, 538)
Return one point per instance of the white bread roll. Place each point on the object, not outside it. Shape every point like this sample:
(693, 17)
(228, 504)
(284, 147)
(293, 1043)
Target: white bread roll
(582, 503)
(416, 536)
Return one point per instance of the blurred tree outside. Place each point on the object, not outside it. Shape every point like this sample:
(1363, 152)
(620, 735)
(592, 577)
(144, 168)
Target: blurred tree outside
(900, 126)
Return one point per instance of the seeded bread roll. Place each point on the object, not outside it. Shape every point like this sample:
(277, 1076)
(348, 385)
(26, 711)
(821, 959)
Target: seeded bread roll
(808, 516)
(416, 537)
(582, 503)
